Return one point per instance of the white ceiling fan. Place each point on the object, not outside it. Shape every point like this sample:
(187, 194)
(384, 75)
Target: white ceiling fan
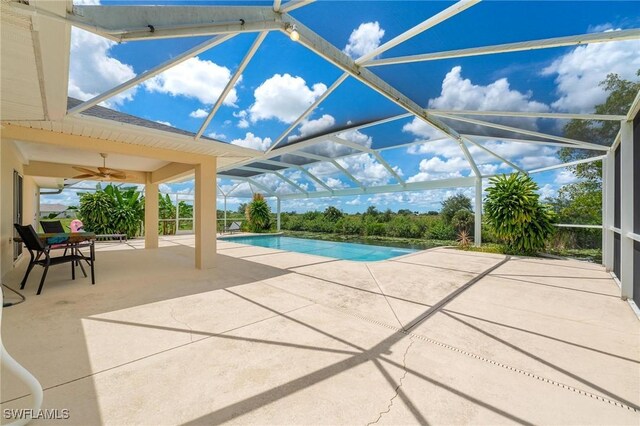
(103, 173)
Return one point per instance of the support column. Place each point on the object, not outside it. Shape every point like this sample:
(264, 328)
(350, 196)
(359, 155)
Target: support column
(205, 213)
(608, 193)
(150, 213)
(478, 214)
(225, 214)
(626, 208)
(278, 214)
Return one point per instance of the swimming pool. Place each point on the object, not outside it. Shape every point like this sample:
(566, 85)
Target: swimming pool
(339, 250)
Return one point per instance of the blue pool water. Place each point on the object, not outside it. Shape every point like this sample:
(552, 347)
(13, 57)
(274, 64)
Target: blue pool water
(339, 250)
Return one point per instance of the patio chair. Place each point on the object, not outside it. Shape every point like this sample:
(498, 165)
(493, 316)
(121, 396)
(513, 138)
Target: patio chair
(55, 227)
(234, 227)
(37, 249)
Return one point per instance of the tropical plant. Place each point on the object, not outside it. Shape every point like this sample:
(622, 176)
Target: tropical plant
(127, 212)
(258, 214)
(95, 211)
(453, 204)
(463, 239)
(112, 210)
(167, 215)
(514, 212)
(463, 220)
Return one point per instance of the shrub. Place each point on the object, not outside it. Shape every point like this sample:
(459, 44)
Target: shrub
(333, 214)
(453, 204)
(403, 227)
(95, 212)
(350, 225)
(258, 214)
(513, 210)
(463, 220)
(112, 210)
(440, 231)
(374, 228)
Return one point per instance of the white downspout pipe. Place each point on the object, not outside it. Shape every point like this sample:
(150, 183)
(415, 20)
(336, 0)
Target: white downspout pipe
(23, 374)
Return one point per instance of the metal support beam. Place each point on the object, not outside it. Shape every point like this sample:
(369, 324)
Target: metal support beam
(316, 179)
(575, 40)
(462, 182)
(309, 110)
(232, 82)
(477, 223)
(515, 140)
(295, 4)
(469, 157)
(373, 152)
(335, 164)
(202, 47)
(421, 27)
(571, 163)
(129, 23)
(608, 192)
(577, 143)
(499, 157)
(530, 114)
(278, 208)
(626, 208)
(335, 56)
(290, 182)
(259, 185)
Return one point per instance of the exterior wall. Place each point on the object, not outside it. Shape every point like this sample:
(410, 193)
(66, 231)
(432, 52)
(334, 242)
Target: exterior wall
(10, 160)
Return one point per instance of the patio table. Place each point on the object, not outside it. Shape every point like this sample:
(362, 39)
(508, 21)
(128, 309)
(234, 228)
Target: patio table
(73, 239)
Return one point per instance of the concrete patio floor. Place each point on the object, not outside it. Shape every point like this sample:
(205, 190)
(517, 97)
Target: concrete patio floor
(272, 337)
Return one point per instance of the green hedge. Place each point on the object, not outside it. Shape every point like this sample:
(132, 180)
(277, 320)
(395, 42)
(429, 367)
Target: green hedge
(394, 225)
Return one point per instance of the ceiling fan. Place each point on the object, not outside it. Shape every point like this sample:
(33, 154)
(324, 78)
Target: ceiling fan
(103, 173)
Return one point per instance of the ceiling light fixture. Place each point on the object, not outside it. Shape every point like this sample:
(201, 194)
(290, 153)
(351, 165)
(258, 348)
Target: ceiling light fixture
(293, 32)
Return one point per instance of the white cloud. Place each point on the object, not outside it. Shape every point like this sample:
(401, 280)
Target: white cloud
(242, 115)
(283, 97)
(166, 123)
(579, 72)
(199, 113)
(313, 127)
(218, 136)
(548, 191)
(252, 141)
(366, 169)
(564, 177)
(334, 183)
(459, 93)
(355, 202)
(93, 71)
(364, 39)
(436, 168)
(195, 78)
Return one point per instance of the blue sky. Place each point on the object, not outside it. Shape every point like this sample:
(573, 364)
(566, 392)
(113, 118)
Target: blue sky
(284, 78)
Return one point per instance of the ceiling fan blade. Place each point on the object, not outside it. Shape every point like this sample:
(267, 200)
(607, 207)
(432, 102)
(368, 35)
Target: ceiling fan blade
(85, 170)
(84, 176)
(118, 175)
(108, 171)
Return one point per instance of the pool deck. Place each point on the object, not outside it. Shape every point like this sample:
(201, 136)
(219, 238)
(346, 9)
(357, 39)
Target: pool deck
(274, 337)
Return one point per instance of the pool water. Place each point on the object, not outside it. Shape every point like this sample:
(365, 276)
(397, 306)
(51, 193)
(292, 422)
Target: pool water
(339, 250)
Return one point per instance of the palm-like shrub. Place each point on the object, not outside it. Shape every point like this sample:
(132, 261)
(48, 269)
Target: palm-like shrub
(112, 210)
(514, 212)
(258, 214)
(95, 211)
(463, 220)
